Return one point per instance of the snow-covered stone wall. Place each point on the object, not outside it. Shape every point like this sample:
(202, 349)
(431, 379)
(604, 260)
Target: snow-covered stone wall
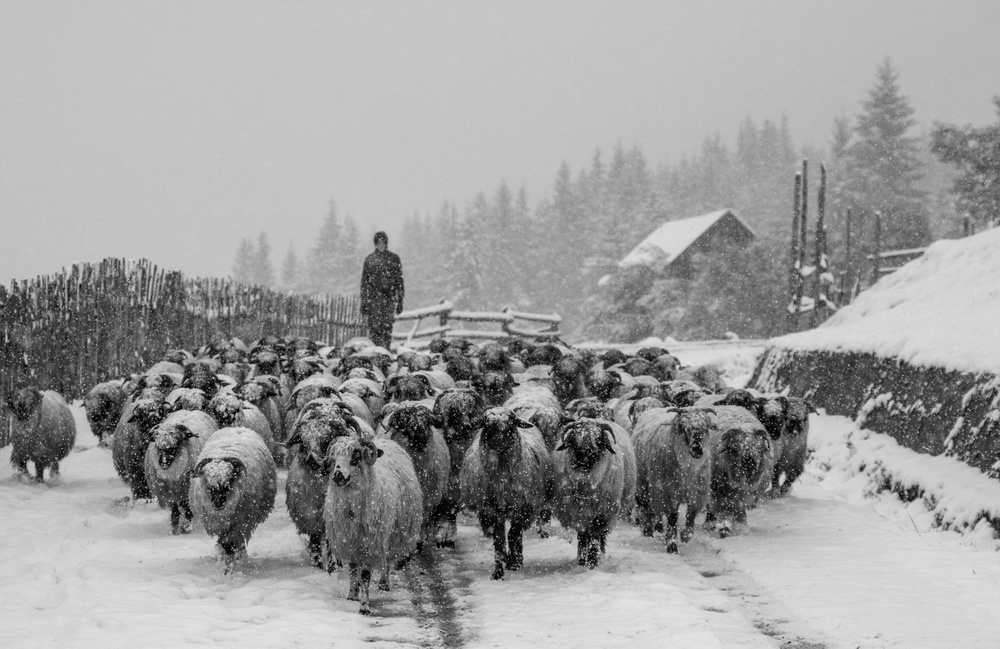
(927, 409)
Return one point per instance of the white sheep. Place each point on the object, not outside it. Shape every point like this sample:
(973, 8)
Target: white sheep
(673, 455)
(415, 427)
(319, 423)
(506, 477)
(373, 508)
(231, 411)
(743, 459)
(595, 478)
(42, 431)
(171, 458)
(233, 488)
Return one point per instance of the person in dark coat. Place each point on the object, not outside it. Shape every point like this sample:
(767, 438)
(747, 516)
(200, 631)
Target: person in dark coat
(381, 290)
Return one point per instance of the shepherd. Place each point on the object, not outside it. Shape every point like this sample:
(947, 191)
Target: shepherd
(381, 291)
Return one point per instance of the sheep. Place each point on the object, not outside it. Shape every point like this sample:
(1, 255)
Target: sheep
(674, 458)
(459, 412)
(506, 476)
(373, 508)
(187, 399)
(319, 423)
(170, 460)
(495, 387)
(742, 467)
(595, 479)
(232, 411)
(608, 384)
(539, 406)
(103, 404)
(460, 368)
(201, 373)
(43, 431)
(409, 387)
(233, 488)
(130, 440)
(369, 391)
(264, 392)
(544, 354)
(628, 410)
(493, 357)
(567, 377)
(791, 461)
(589, 407)
(416, 428)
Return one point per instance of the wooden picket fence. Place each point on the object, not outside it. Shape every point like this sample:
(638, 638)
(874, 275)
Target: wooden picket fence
(94, 322)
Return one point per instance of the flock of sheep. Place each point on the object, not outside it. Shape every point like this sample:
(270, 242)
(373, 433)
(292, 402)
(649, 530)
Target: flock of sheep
(383, 451)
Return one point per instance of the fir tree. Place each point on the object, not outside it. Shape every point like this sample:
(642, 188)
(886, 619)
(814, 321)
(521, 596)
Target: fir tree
(976, 154)
(243, 267)
(324, 268)
(263, 270)
(883, 166)
(290, 270)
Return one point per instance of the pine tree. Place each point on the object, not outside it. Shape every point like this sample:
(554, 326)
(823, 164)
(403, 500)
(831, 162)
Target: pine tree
(351, 257)
(290, 270)
(243, 267)
(976, 154)
(883, 166)
(263, 270)
(323, 265)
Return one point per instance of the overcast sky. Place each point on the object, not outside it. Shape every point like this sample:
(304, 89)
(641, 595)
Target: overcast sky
(170, 130)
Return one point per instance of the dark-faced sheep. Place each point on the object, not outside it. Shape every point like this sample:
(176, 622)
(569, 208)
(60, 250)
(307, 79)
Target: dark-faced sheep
(104, 404)
(595, 479)
(233, 488)
(608, 384)
(673, 453)
(43, 431)
(373, 509)
(409, 387)
(567, 379)
(791, 463)
(132, 436)
(590, 408)
(460, 413)
(319, 423)
(742, 467)
(416, 428)
(495, 387)
(171, 458)
(507, 477)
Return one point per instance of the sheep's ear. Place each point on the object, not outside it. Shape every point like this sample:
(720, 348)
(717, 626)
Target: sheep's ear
(520, 423)
(293, 439)
(809, 406)
(564, 440)
(327, 391)
(631, 412)
(423, 378)
(370, 453)
(186, 433)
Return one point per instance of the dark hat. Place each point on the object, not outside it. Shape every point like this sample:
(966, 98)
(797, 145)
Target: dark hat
(381, 236)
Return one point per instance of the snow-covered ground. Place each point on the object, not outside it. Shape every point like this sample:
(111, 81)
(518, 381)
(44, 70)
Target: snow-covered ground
(833, 565)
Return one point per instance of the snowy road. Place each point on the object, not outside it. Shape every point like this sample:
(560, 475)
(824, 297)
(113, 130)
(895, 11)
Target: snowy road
(822, 568)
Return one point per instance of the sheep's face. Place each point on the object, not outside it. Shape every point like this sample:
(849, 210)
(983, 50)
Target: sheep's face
(460, 409)
(408, 387)
(219, 475)
(148, 412)
(695, 425)
(771, 413)
(413, 423)
(586, 440)
(603, 384)
(797, 416)
(317, 426)
(687, 398)
(178, 356)
(24, 402)
(168, 441)
(347, 458)
(494, 358)
(100, 407)
(495, 387)
(743, 452)
(362, 373)
(500, 432)
(304, 394)
(201, 375)
(460, 368)
(231, 355)
(225, 408)
(567, 373)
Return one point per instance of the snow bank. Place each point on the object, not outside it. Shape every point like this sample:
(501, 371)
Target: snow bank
(938, 311)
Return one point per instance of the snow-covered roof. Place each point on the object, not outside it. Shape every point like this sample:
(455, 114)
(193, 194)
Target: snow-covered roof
(939, 310)
(667, 242)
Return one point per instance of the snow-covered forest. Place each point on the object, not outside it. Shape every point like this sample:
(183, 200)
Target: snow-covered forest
(503, 247)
